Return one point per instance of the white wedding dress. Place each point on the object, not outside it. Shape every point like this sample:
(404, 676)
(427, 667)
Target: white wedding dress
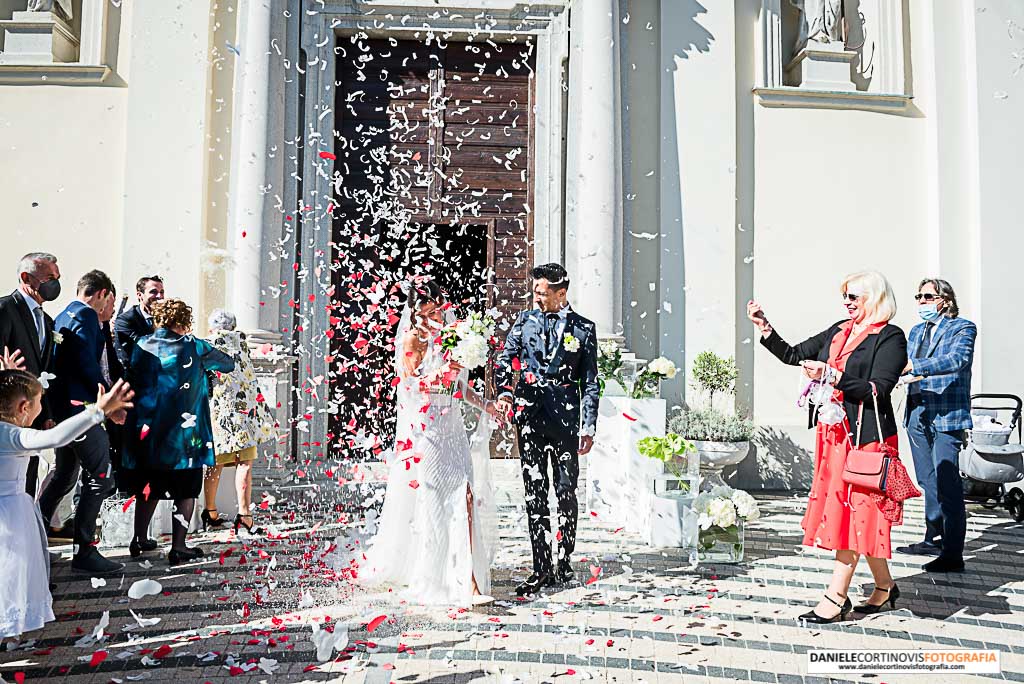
(25, 603)
(423, 546)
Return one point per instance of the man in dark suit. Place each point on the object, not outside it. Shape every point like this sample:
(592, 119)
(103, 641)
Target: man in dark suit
(556, 351)
(78, 364)
(137, 321)
(26, 327)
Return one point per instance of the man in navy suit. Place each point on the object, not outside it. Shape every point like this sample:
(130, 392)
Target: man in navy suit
(554, 407)
(137, 321)
(78, 365)
(26, 327)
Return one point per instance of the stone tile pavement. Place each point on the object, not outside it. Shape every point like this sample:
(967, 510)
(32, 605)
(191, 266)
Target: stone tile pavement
(246, 613)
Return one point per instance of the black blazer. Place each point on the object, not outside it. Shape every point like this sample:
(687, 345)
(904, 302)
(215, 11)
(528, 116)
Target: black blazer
(18, 331)
(128, 328)
(879, 359)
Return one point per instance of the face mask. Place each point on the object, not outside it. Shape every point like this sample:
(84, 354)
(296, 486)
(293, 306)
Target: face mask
(928, 312)
(49, 290)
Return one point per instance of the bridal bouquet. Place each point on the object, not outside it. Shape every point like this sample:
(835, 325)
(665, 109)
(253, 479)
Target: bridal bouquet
(468, 343)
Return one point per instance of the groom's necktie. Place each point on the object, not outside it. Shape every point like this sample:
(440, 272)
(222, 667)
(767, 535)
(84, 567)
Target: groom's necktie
(550, 326)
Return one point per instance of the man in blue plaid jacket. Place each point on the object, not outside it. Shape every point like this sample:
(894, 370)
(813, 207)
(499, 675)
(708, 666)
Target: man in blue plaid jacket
(941, 351)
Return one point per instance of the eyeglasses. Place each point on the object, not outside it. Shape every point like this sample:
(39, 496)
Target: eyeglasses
(926, 296)
(847, 297)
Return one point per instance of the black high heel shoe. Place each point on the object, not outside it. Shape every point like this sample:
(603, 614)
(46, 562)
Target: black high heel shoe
(250, 528)
(871, 609)
(815, 619)
(136, 548)
(209, 520)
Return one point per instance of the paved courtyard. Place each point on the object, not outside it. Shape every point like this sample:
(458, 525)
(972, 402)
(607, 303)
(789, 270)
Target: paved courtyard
(247, 613)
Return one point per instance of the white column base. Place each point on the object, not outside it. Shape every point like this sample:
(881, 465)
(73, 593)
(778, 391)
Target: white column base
(37, 38)
(825, 66)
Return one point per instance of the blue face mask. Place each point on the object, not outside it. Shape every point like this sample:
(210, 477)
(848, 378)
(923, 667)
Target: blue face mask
(928, 312)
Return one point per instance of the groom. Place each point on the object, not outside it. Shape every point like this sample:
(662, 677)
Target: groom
(556, 351)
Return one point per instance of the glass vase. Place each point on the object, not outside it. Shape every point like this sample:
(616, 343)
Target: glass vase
(721, 544)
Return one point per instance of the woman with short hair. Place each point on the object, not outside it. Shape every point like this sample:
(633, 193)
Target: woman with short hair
(169, 434)
(241, 421)
(853, 356)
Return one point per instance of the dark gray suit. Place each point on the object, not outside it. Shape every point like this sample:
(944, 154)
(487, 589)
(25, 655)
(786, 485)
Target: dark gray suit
(18, 331)
(557, 390)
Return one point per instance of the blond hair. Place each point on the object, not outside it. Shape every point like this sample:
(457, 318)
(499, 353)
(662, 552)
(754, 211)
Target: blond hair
(172, 313)
(876, 295)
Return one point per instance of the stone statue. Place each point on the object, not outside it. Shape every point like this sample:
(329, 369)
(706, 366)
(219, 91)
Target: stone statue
(820, 21)
(61, 7)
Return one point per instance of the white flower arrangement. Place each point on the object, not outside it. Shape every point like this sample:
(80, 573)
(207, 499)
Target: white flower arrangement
(570, 343)
(723, 507)
(57, 338)
(607, 348)
(650, 377)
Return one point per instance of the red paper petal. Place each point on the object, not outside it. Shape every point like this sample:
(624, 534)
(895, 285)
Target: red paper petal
(97, 658)
(128, 504)
(376, 622)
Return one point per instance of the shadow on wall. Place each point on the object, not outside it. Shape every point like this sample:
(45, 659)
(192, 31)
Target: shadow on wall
(682, 38)
(775, 462)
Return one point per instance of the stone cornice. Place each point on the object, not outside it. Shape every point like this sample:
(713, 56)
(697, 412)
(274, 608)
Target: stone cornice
(786, 96)
(55, 74)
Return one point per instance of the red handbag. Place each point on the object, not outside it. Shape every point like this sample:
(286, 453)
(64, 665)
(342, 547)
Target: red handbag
(869, 469)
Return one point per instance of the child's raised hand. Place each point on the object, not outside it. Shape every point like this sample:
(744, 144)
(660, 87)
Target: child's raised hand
(12, 360)
(119, 397)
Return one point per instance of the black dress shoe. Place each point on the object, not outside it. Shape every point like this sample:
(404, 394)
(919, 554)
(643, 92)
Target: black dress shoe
(943, 564)
(535, 583)
(815, 619)
(925, 548)
(93, 562)
(871, 609)
(186, 555)
(64, 534)
(565, 573)
(136, 548)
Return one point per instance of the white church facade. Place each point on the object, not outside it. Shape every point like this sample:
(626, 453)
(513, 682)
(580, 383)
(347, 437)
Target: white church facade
(680, 157)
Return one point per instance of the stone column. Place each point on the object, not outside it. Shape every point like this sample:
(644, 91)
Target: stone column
(595, 149)
(249, 160)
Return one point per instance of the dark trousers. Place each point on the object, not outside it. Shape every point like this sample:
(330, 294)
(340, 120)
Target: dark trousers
(937, 467)
(89, 455)
(545, 443)
(32, 479)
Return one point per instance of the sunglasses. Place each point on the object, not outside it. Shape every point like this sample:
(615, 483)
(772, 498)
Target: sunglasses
(927, 296)
(850, 297)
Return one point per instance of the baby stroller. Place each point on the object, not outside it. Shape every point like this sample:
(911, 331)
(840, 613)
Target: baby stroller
(992, 466)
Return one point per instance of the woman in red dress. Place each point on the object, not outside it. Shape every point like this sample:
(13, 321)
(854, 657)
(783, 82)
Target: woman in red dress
(851, 355)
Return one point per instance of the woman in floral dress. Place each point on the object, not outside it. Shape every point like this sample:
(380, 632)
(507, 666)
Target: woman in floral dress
(241, 421)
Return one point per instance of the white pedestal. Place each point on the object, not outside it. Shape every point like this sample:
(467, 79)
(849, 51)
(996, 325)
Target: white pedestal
(619, 479)
(825, 66)
(37, 38)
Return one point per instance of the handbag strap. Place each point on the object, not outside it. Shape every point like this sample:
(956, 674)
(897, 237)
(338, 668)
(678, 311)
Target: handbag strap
(860, 414)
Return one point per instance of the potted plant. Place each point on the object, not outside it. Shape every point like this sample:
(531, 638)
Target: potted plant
(722, 439)
(609, 364)
(673, 521)
(648, 380)
(681, 464)
(721, 514)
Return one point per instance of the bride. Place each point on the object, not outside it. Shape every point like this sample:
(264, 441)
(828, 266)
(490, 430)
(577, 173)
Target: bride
(437, 531)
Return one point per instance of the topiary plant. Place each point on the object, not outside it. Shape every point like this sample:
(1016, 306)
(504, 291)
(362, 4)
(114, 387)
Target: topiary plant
(714, 375)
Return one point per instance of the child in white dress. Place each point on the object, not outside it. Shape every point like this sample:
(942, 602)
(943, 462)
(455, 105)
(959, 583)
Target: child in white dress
(25, 602)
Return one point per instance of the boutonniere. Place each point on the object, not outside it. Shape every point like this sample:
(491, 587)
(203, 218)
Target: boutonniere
(57, 338)
(570, 343)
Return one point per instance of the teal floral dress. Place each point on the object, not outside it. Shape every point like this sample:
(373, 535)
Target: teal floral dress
(169, 432)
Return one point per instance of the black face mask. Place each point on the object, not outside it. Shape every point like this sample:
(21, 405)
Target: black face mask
(49, 290)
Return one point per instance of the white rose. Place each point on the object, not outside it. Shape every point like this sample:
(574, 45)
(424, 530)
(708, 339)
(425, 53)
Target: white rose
(722, 512)
(607, 347)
